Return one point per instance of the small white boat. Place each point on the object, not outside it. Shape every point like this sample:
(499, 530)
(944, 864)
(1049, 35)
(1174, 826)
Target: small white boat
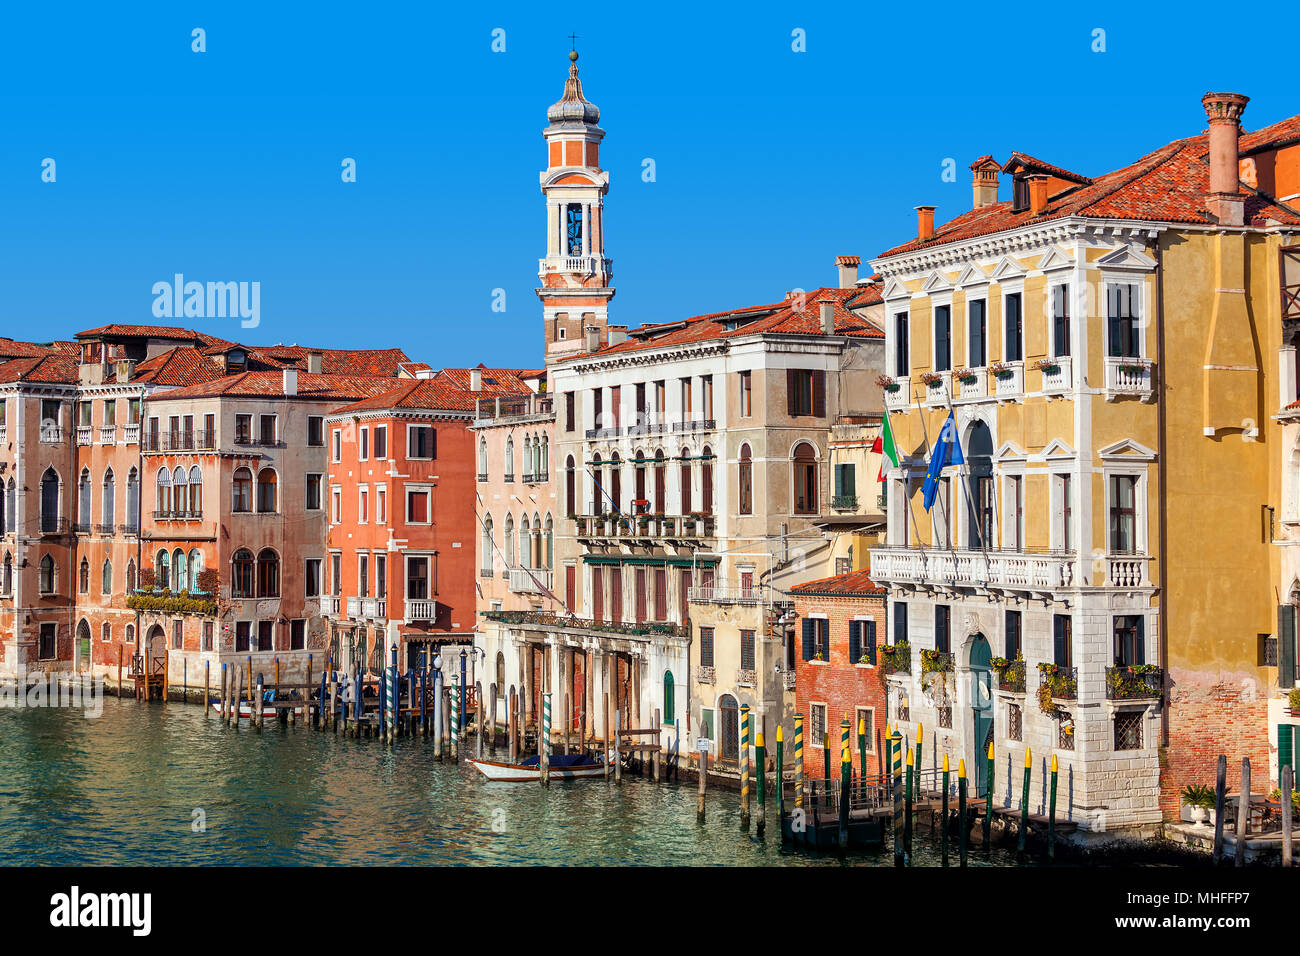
(245, 710)
(563, 767)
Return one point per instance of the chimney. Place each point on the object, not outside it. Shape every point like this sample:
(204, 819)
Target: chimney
(592, 334)
(475, 380)
(616, 334)
(925, 222)
(985, 184)
(1224, 200)
(290, 381)
(1037, 193)
(315, 363)
(828, 315)
(848, 269)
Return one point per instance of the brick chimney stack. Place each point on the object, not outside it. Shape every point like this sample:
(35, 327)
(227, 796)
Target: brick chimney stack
(1224, 200)
(1037, 193)
(848, 270)
(827, 307)
(925, 222)
(985, 184)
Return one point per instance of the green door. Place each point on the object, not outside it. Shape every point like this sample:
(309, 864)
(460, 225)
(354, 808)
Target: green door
(981, 710)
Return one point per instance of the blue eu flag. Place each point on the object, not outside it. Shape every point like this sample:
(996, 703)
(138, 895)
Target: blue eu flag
(947, 451)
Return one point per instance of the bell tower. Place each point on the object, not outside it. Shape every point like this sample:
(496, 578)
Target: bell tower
(575, 275)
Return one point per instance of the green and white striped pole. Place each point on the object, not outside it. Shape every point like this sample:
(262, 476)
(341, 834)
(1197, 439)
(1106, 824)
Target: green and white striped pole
(455, 717)
(862, 753)
(744, 764)
(846, 783)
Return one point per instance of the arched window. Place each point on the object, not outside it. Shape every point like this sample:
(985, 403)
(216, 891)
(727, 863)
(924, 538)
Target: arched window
(105, 632)
(729, 731)
(241, 574)
(268, 573)
(745, 476)
(196, 568)
(488, 546)
(570, 488)
(4, 510)
(804, 463)
(130, 576)
(107, 500)
(638, 482)
(83, 577)
(615, 487)
(668, 698)
(83, 500)
(11, 506)
(550, 543)
(510, 457)
(482, 459)
(164, 504)
(47, 575)
(242, 498)
(597, 483)
(106, 577)
(685, 459)
(7, 575)
(660, 504)
(196, 491)
(180, 577)
(130, 633)
(180, 490)
(49, 501)
(133, 500)
(544, 471)
(510, 541)
(162, 570)
(266, 490)
(525, 544)
(706, 481)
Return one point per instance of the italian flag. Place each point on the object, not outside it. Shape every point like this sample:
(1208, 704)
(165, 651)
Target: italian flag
(884, 447)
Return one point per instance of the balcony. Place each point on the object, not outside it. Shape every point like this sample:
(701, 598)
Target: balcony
(895, 659)
(51, 435)
(581, 265)
(329, 604)
(938, 387)
(706, 675)
(543, 620)
(131, 433)
(81, 527)
(108, 434)
(104, 530)
(354, 607)
(845, 502)
(1062, 682)
(1008, 380)
(421, 610)
(85, 435)
(4, 434)
(508, 478)
(482, 477)
(746, 678)
(702, 425)
(531, 580)
(374, 608)
(1128, 570)
(129, 528)
(728, 595)
(51, 525)
(1011, 570)
(1129, 378)
(632, 527)
(594, 433)
(898, 394)
(1011, 678)
(1058, 375)
(1136, 682)
(972, 382)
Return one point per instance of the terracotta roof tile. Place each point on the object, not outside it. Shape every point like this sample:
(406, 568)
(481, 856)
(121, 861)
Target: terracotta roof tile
(52, 367)
(447, 390)
(854, 582)
(11, 348)
(180, 366)
(1025, 161)
(343, 388)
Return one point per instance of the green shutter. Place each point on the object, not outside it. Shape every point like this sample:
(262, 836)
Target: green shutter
(808, 640)
(1285, 645)
(871, 642)
(1285, 747)
(855, 641)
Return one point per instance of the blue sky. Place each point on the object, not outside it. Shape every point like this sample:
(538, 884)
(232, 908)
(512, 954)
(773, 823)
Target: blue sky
(225, 165)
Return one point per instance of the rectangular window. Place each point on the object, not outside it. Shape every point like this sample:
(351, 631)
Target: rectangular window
(661, 594)
(48, 644)
(846, 481)
(864, 724)
(706, 723)
(706, 647)
(900, 345)
(976, 351)
(266, 635)
(208, 628)
(422, 442)
(746, 394)
(805, 392)
(336, 506)
(363, 575)
(942, 338)
(381, 505)
(336, 450)
(1061, 320)
(1062, 641)
(1130, 640)
(106, 632)
(1014, 526)
(1012, 644)
(1065, 514)
(381, 575)
(640, 595)
(687, 400)
(616, 593)
(1123, 514)
(941, 637)
(363, 506)
(569, 410)
(313, 492)
(900, 622)
(1122, 319)
(381, 442)
(817, 725)
(417, 577)
(746, 650)
(862, 641)
(616, 406)
(417, 507)
(597, 408)
(312, 577)
(266, 429)
(297, 635)
(1014, 337)
(336, 574)
(661, 399)
(243, 635)
(1128, 730)
(363, 444)
(706, 384)
(1015, 729)
(315, 431)
(243, 429)
(178, 635)
(816, 639)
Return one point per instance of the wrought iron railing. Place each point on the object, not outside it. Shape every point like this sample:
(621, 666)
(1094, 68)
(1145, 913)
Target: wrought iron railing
(543, 619)
(1012, 677)
(844, 502)
(1134, 682)
(1063, 681)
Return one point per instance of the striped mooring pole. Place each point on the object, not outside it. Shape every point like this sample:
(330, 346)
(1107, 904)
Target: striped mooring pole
(744, 764)
(455, 716)
(395, 699)
(896, 776)
(846, 783)
(798, 761)
(546, 740)
(1024, 805)
(920, 735)
(961, 807)
(943, 820)
(862, 755)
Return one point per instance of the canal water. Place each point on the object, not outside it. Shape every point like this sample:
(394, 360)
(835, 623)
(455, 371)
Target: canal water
(155, 785)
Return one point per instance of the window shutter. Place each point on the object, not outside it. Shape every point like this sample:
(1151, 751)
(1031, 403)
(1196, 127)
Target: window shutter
(1058, 641)
(1285, 645)
(1141, 651)
(819, 394)
(808, 639)
(790, 387)
(871, 642)
(855, 641)
(1285, 747)
(851, 473)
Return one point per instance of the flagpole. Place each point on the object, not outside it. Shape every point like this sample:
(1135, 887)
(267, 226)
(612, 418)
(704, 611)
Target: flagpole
(907, 478)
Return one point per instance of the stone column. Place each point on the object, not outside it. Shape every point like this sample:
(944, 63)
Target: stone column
(586, 229)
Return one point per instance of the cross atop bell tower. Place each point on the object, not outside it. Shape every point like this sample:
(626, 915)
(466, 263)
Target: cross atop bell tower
(575, 275)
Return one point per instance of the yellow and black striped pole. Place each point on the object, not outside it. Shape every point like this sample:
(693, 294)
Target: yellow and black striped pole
(920, 737)
(744, 764)
(846, 785)
(889, 762)
(896, 786)
(798, 761)
(780, 778)
(862, 755)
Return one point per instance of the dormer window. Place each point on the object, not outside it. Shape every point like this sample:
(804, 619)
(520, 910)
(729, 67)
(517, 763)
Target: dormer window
(236, 361)
(1019, 193)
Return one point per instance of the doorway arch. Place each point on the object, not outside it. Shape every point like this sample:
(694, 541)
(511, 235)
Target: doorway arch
(979, 654)
(729, 728)
(83, 644)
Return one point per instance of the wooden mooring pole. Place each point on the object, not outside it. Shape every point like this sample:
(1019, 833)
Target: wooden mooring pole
(1288, 785)
(1220, 792)
(907, 799)
(760, 755)
(119, 670)
(988, 797)
(1243, 814)
(943, 820)
(207, 684)
(703, 782)
(961, 811)
(1051, 815)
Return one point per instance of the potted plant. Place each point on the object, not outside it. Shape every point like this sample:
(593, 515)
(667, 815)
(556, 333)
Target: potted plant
(1048, 366)
(1001, 370)
(1293, 700)
(1200, 798)
(1134, 367)
(965, 375)
(888, 384)
(932, 379)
